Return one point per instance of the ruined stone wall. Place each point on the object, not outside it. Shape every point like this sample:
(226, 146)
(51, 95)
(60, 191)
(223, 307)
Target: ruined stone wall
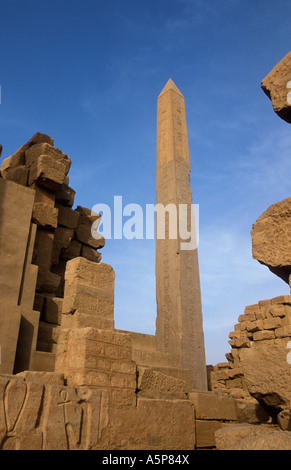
(78, 383)
(61, 232)
(39, 412)
(257, 366)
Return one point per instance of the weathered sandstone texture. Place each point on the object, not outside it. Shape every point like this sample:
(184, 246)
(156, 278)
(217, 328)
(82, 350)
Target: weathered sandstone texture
(258, 366)
(277, 86)
(39, 412)
(38, 170)
(250, 437)
(271, 239)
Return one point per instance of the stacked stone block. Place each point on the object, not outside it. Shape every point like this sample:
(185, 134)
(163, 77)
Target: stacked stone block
(62, 233)
(263, 331)
(98, 359)
(269, 320)
(212, 412)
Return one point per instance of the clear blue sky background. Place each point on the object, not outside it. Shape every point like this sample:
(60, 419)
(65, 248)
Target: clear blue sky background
(88, 73)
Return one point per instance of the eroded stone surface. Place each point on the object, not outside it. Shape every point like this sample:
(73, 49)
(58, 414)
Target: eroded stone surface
(267, 374)
(271, 239)
(249, 437)
(277, 86)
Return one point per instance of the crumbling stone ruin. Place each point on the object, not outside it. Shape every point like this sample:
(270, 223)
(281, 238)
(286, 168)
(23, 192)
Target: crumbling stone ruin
(70, 380)
(258, 368)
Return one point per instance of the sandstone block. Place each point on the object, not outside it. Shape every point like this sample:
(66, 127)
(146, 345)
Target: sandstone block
(91, 254)
(38, 138)
(277, 311)
(10, 318)
(84, 235)
(264, 335)
(37, 150)
(250, 316)
(277, 86)
(89, 300)
(62, 239)
(67, 217)
(228, 436)
(157, 417)
(222, 365)
(18, 158)
(235, 335)
(87, 216)
(14, 161)
(82, 320)
(282, 299)
(65, 195)
(284, 419)
(89, 355)
(255, 326)
(123, 367)
(240, 343)
(250, 411)
(47, 281)
(270, 245)
(73, 251)
(154, 384)
(264, 303)
(205, 433)
(47, 172)
(43, 195)
(52, 310)
(45, 215)
(38, 302)
(43, 249)
(99, 275)
(123, 381)
(48, 333)
(272, 323)
(264, 439)
(43, 361)
(40, 409)
(210, 406)
(268, 375)
(287, 319)
(121, 398)
(251, 308)
(17, 174)
(283, 332)
(48, 378)
(261, 314)
(59, 269)
(86, 231)
(234, 372)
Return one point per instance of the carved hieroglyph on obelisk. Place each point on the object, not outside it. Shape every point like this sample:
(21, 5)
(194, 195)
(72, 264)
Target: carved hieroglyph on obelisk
(179, 324)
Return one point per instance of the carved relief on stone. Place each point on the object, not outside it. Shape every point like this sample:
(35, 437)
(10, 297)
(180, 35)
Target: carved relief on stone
(50, 417)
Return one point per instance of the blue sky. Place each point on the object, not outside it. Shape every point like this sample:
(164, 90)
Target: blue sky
(88, 73)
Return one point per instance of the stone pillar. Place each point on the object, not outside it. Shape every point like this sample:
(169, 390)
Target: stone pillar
(18, 320)
(179, 330)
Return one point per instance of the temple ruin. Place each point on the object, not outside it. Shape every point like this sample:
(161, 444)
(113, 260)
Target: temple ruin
(69, 380)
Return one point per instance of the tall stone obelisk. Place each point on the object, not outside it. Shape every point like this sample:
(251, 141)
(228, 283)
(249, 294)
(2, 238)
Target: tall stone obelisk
(179, 324)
